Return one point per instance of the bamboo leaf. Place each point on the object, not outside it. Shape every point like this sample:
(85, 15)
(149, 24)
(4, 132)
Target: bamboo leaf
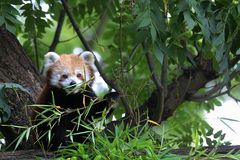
(20, 139)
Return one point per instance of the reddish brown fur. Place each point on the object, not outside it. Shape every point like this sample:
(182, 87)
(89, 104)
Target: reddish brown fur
(70, 62)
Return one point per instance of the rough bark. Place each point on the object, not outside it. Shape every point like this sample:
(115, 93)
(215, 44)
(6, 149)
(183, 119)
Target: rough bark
(16, 67)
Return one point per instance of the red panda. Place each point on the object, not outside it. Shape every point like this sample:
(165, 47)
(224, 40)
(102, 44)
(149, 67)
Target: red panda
(62, 72)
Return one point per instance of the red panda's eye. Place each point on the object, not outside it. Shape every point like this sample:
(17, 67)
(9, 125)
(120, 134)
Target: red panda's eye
(64, 76)
(79, 75)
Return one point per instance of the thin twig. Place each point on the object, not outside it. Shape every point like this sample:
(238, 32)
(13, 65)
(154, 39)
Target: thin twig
(154, 76)
(163, 93)
(187, 87)
(188, 53)
(131, 55)
(164, 73)
(58, 31)
(36, 51)
(124, 100)
(120, 41)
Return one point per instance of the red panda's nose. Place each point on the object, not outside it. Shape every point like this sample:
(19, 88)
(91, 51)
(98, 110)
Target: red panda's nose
(72, 83)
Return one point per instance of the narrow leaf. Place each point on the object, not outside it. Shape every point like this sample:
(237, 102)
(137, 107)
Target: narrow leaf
(20, 139)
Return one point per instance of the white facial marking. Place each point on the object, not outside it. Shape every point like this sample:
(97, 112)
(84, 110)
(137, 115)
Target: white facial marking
(49, 59)
(54, 81)
(67, 81)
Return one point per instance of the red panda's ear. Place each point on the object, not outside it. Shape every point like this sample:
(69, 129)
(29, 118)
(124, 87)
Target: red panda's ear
(50, 58)
(88, 57)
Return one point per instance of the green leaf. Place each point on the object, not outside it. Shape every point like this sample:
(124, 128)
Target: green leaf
(220, 52)
(11, 28)
(210, 132)
(238, 8)
(204, 25)
(20, 139)
(12, 19)
(218, 134)
(223, 68)
(222, 136)
(217, 102)
(145, 20)
(10, 9)
(209, 141)
(2, 20)
(219, 40)
(28, 133)
(153, 33)
(158, 52)
(189, 21)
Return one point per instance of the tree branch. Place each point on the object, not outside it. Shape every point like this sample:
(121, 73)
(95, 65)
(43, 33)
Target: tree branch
(164, 92)
(201, 97)
(158, 84)
(212, 93)
(58, 31)
(179, 91)
(188, 53)
(36, 51)
(154, 76)
(87, 47)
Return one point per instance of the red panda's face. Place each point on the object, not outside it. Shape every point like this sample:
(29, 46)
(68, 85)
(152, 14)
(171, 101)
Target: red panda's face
(66, 70)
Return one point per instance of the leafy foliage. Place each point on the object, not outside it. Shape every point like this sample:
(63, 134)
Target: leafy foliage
(128, 143)
(8, 14)
(189, 124)
(187, 32)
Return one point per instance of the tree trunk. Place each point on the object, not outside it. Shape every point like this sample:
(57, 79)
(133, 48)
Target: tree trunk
(16, 67)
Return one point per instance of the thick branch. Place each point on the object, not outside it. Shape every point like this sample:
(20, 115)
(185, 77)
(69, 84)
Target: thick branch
(87, 47)
(216, 91)
(58, 31)
(180, 90)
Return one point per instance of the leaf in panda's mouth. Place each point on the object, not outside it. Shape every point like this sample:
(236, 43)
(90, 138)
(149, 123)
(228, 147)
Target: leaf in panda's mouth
(73, 89)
